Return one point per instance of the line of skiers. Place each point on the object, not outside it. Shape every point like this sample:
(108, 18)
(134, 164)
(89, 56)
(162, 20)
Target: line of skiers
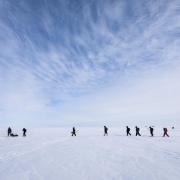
(74, 131)
(137, 129)
(11, 134)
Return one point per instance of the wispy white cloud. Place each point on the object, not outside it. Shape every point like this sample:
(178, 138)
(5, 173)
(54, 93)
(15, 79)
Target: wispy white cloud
(52, 53)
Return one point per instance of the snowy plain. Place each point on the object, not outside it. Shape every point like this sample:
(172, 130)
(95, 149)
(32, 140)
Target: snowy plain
(52, 154)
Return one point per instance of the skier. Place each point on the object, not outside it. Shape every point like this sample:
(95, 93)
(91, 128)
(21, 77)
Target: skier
(128, 131)
(9, 131)
(105, 131)
(137, 131)
(165, 132)
(151, 131)
(24, 131)
(73, 131)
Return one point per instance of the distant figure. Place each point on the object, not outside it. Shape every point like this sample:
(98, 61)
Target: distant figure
(137, 131)
(151, 131)
(165, 132)
(73, 131)
(128, 131)
(13, 135)
(9, 131)
(173, 127)
(105, 131)
(24, 131)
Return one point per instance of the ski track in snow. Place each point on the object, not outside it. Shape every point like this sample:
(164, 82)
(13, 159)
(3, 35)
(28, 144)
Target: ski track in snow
(51, 154)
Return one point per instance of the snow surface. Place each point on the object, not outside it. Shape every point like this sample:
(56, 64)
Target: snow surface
(52, 154)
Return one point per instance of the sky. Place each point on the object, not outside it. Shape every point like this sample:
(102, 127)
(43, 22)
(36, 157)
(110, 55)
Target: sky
(89, 62)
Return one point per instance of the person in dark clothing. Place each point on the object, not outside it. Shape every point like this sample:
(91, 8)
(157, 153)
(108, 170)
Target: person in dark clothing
(151, 131)
(128, 131)
(9, 131)
(105, 131)
(137, 131)
(73, 131)
(24, 131)
(165, 132)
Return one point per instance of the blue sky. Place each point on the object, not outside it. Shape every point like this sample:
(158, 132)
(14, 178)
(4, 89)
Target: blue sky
(81, 62)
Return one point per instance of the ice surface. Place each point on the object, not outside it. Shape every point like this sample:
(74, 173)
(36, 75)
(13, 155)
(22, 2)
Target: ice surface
(52, 154)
